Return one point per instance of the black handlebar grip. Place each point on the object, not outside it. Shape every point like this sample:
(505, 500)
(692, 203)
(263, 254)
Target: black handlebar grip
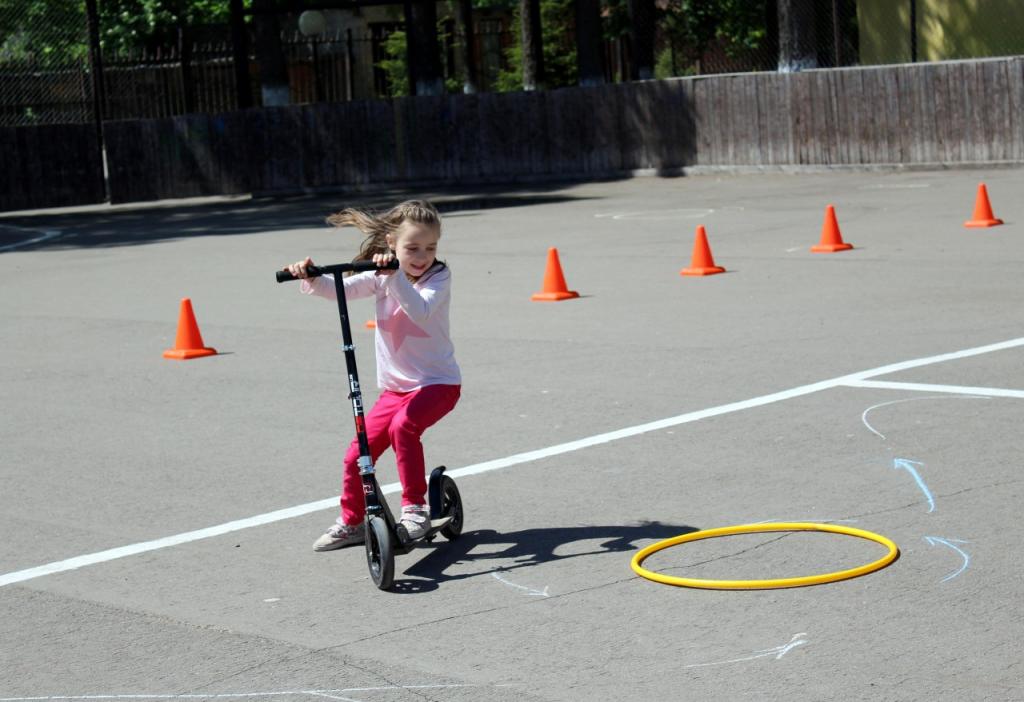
(360, 266)
(311, 271)
(356, 266)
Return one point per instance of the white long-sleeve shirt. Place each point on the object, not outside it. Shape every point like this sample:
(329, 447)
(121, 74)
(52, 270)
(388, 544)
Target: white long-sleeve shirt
(413, 345)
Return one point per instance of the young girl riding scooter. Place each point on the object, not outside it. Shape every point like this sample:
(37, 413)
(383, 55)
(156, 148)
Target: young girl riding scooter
(419, 379)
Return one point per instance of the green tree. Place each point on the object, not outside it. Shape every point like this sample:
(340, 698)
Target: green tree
(691, 26)
(43, 32)
(557, 18)
(396, 65)
(127, 25)
(53, 32)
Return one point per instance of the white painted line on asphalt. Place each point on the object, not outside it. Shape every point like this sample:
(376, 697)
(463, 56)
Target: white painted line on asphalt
(45, 235)
(726, 409)
(918, 362)
(926, 387)
(500, 463)
(167, 541)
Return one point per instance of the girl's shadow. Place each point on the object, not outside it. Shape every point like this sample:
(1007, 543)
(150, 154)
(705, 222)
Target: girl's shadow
(521, 549)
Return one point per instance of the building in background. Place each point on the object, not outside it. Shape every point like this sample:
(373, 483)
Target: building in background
(901, 31)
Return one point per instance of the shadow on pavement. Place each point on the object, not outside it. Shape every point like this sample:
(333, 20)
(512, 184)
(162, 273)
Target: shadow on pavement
(520, 549)
(104, 226)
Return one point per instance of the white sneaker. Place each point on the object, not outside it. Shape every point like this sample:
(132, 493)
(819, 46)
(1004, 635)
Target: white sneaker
(416, 520)
(339, 536)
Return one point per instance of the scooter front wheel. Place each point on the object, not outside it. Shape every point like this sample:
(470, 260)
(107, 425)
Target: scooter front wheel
(380, 553)
(451, 505)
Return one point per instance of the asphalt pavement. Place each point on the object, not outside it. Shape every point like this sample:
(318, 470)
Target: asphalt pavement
(158, 515)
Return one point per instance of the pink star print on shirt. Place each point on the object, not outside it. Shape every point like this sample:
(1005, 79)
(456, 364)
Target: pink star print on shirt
(400, 327)
(413, 348)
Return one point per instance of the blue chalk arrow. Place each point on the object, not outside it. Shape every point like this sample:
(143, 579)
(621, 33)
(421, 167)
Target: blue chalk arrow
(934, 540)
(908, 466)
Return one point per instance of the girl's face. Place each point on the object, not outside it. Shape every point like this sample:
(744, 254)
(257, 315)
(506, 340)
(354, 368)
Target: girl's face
(415, 245)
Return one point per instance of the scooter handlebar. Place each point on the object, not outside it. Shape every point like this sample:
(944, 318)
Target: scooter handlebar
(355, 266)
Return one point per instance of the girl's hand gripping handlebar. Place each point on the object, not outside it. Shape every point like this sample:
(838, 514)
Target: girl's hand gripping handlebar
(356, 266)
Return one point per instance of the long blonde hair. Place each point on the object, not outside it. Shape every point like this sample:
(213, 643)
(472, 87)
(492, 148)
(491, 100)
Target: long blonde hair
(376, 226)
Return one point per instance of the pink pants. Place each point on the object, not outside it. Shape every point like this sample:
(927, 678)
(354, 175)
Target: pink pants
(398, 419)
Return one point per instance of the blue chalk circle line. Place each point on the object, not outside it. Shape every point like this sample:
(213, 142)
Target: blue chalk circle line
(951, 543)
(908, 465)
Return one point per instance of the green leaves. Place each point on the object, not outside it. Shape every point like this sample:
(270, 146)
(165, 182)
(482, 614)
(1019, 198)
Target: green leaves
(54, 32)
(396, 65)
(129, 25)
(557, 18)
(42, 32)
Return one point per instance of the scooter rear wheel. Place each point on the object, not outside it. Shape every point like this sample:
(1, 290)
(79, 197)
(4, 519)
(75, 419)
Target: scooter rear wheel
(380, 553)
(451, 505)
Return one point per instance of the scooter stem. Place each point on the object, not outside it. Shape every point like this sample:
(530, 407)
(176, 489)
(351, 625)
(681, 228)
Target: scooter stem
(375, 505)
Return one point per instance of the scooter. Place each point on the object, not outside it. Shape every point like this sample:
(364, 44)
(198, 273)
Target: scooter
(384, 536)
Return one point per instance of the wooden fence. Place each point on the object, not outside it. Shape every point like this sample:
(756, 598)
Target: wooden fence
(943, 113)
(50, 166)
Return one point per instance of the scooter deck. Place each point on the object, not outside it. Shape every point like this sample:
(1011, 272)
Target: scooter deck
(436, 525)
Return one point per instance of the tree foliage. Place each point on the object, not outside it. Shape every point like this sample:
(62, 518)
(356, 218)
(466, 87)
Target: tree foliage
(43, 32)
(396, 65)
(54, 32)
(692, 26)
(557, 19)
(689, 28)
(142, 24)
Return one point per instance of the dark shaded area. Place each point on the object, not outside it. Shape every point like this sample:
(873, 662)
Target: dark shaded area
(454, 140)
(148, 224)
(50, 166)
(525, 548)
(446, 141)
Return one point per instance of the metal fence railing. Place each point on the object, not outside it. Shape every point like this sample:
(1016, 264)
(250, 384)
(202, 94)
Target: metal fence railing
(44, 63)
(48, 76)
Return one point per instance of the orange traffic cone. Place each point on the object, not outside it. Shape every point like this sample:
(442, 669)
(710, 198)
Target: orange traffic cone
(982, 210)
(701, 262)
(371, 324)
(831, 239)
(189, 342)
(554, 288)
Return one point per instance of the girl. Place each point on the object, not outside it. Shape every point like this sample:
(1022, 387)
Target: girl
(416, 369)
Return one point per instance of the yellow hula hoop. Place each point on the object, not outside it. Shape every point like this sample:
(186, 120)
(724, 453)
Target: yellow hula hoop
(638, 559)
